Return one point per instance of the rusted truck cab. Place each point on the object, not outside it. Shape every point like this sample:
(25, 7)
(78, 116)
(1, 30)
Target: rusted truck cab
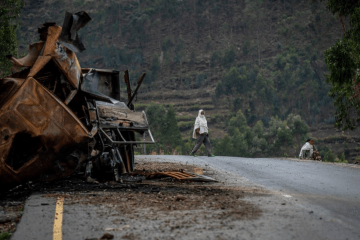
(56, 118)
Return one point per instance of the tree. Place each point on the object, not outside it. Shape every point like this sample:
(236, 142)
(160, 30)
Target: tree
(343, 62)
(239, 144)
(224, 147)
(156, 116)
(9, 12)
(239, 121)
(171, 132)
(259, 129)
(229, 56)
(233, 79)
(297, 126)
(219, 89)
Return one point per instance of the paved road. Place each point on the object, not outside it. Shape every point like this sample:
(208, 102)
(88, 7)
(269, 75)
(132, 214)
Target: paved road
(324, 187)
(330, 193)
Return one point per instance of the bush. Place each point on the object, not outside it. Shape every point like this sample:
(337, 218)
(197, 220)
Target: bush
(237, 122)
(341, 159)
(224, 147)
(5, 236)
(192, 58)
(219, 89)
(259, 129)
(180, 44)
(208, 43)
(328, 156)
(185, 125)
(215, 58)
(199, 79)
(233, 79)
(229, 57)
(166, 43)
(246, 47)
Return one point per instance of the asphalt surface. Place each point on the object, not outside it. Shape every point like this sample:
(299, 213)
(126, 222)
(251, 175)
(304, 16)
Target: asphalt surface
(308, 200)
(333, 189)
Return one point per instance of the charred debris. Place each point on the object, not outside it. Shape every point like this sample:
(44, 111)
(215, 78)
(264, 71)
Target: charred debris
(58, 119)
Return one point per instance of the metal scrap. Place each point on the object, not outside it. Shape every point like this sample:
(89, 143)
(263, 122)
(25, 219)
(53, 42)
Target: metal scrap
(57, 118)
(181, 175)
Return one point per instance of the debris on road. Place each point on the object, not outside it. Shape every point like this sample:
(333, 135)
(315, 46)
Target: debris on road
(106, 236)
(57, 118)
(10, 215)
(134, 199)
(180, 175)
(161, 196)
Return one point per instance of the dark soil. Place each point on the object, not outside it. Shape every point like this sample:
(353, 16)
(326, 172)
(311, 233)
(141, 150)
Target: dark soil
(166, 194)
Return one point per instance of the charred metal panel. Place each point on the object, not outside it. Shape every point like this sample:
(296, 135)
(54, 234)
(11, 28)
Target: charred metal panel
(69, 36)
(108, 82)
(30, 58)
(121, 116)
(90, 85)
(36, 115)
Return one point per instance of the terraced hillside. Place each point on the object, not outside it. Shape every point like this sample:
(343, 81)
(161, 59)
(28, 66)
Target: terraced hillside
(264, 57)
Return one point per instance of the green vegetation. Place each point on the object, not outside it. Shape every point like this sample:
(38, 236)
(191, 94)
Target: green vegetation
(197, 44)
(185, 125)
(5, 235)
(342, 60)
(263, 58)
(9, 13)
(244, 141)
(165, 129)
(328, 156)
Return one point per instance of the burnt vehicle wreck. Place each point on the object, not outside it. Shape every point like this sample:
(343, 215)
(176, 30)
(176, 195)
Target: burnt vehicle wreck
(57, 119)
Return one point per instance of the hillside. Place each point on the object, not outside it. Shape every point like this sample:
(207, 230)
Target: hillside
(264, 57)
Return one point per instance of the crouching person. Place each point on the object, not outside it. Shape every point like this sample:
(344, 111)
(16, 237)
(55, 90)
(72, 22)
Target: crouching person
(307, 150)
(201, 134)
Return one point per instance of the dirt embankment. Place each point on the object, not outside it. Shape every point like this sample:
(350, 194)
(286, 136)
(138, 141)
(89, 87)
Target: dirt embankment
(338, 141)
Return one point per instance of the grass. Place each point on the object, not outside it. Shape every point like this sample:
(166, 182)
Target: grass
(5, 235)
(140, 106)
(185, 125)
(339, 160)
(194, 107)
(185, 118)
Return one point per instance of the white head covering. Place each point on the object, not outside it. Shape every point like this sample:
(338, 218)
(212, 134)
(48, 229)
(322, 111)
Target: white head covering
(200, 122)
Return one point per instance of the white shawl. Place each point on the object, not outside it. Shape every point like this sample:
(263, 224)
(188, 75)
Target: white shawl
(201, 123)
(307, 146)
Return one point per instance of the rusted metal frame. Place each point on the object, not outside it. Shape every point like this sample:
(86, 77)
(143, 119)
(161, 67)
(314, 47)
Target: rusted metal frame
(70, 97)
(125, 142)
(179, 174)
(102, 148)
(123, 128)
(112, 141)
(117, 129)
(147, 123)
(185, 176)
(137, 88)
(127, 82)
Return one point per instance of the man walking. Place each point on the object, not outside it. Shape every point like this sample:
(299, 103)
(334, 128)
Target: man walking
(201, 134)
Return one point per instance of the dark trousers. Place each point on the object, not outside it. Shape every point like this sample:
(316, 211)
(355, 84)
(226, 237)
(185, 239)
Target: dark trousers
(200, 140)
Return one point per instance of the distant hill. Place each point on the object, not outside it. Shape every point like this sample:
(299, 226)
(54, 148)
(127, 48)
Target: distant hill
(264, 57)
